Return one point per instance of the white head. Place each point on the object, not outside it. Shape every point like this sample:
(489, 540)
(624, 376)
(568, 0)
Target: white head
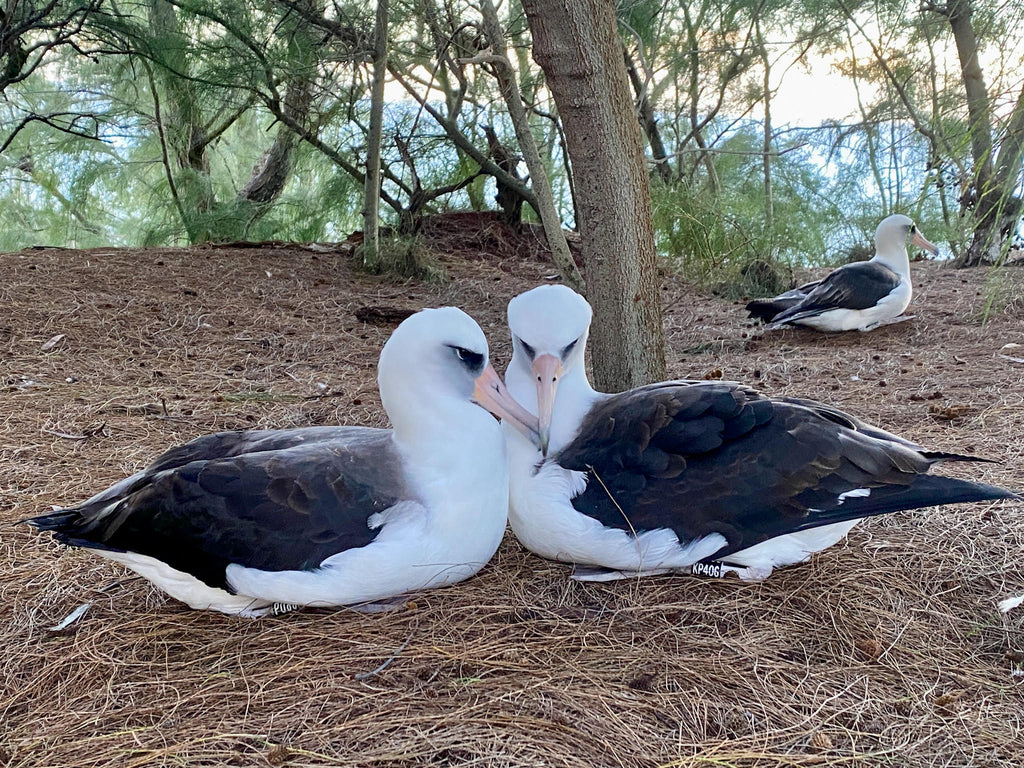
(439, 356)
(891, 241)
(549, 327)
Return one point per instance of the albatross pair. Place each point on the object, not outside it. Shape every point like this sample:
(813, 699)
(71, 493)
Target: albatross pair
(255, 522)
(681, 475)
(858, 296)
(668, 477)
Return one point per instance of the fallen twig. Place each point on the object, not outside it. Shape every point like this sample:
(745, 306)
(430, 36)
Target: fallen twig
(387, 662)
(86, 434)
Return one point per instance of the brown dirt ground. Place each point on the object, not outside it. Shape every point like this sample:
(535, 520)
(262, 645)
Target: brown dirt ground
(887, 649)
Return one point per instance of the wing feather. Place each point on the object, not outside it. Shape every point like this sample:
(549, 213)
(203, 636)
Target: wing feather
(854, 286)
(718, 457)
(270, 500)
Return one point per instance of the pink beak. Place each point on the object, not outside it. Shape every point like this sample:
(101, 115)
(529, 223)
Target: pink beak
(546, 370)
(491, 393)
(923, 243)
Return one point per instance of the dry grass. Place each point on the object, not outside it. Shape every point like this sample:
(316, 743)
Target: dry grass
(885, 650)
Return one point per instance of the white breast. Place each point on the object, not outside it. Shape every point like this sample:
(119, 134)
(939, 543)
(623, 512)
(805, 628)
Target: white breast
(445, 537)
(544, 520)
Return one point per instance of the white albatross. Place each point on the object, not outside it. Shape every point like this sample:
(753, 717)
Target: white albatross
(255, 522)
(858, 296)
(683, 475)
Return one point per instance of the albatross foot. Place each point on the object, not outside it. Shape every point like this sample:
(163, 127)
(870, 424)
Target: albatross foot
(596, 573)
(890, 321)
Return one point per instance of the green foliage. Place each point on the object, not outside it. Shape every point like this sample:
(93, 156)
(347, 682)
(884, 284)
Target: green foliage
(151, 136)
(723, 240)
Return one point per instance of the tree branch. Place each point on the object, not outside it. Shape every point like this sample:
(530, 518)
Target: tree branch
(451, 129)
(50, 120)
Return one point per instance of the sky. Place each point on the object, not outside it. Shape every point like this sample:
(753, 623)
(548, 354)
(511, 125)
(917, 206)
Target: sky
(808, 98)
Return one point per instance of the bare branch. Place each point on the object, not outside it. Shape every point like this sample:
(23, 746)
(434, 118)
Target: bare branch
(53, 120)
(451, 129)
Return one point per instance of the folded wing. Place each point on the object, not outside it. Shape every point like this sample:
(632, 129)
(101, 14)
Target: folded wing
(717, 457)
(855, 286)
(275, 500)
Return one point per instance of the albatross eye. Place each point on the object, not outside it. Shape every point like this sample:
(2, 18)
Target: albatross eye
(530, 351)
(568, 348)
(472, 360)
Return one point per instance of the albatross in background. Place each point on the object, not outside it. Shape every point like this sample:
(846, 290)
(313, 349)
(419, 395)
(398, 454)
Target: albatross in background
(681, 475)
(256, 522)
(858, 296)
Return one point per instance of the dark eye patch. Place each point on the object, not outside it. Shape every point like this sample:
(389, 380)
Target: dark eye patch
(472, 360)
(528, 349)
(568, 348)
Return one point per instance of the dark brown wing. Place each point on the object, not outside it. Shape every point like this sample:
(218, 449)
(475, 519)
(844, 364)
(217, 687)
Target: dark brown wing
(855, 286)
(717, 457)
(282, 500)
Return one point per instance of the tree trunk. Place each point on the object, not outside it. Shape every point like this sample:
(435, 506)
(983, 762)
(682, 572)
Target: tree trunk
(371, 187)
(453, 131)
(183, 121)
(576, 44)
(693, 88)
(270, 175)
(974, 88)
(990, 195)
(549, 217)
(766, 148)
(509, 201)
(935, 153)
(869, 132)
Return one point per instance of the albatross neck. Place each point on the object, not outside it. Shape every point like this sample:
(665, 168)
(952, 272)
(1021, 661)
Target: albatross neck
(892, 253)
(573, 400)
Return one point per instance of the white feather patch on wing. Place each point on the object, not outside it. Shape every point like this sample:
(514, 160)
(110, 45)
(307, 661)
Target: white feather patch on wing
(1010, 603)
(856, 493)
(187, 588)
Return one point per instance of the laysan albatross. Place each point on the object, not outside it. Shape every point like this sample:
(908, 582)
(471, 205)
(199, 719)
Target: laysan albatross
(690, 475)
(254, 522)
(858, 296)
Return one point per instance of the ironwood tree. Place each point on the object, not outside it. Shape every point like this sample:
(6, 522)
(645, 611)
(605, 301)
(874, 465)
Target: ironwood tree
(996, 151)
(169, 121)
(577, 45)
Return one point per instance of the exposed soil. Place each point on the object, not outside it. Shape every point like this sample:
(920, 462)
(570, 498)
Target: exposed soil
(886, 649)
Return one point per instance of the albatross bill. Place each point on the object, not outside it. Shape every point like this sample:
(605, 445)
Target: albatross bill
(690, 473)
(247, 522)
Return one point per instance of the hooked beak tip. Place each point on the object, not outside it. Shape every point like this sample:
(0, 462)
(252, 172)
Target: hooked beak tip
(924, 243)
(490, 393)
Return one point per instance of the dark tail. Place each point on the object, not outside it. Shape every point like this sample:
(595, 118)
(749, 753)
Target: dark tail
(68, 526)
(54, 521)
(923, 491)
(766, 309)
(939, 456)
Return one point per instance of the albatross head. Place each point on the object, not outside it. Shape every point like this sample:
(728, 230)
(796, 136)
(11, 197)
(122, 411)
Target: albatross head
(437, 355)
(891, 241)
(549, 327)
